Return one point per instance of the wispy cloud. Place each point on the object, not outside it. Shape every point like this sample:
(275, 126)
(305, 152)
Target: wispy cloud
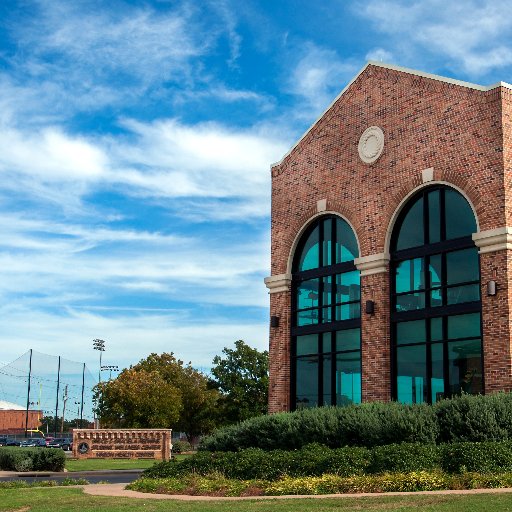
(471, 36)
(319, 75)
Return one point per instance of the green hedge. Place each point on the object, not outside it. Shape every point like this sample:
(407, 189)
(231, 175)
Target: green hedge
(464, 418)
(317, 460)
(32, 459)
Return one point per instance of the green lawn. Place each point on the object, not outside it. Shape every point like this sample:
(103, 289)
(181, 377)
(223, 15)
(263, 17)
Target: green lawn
(65, 500)
(97, 464)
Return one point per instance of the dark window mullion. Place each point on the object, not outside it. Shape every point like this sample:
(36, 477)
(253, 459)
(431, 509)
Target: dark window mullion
(429, 362)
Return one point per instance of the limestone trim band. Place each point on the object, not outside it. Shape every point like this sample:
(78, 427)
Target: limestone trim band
(278, 283)
(372, 264)
(493, 240)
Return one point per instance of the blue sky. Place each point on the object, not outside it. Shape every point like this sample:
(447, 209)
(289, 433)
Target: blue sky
(136, 141)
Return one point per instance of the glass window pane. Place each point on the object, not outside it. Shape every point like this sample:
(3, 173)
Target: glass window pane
(327, 380)
(327, 290)
(411, 332)
(435, 270)
(326, 342)
(348, 311)
(434, 217)
(437, 380)
(307, 294)
(464, 326)
(349, 339)
(307, 344)
(327, 243)
(310, 254)
(326, 315)
(410, 301)
(411, 232)
(348, 286)
(436, 329)
(346, 244)
(460, 220)
(411, 367)
(462, 266)
(348, 378)
(306, 382)
(307, 317)
(410, 276)
(461, 294)
(465, 366)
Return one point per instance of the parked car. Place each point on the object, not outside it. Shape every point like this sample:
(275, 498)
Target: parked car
(33, 442)
(12, 442)
(65, 444)
(48, 440)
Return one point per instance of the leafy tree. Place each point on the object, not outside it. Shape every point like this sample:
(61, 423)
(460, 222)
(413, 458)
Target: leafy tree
(242, 377)
(159, 392)
(198, 415)
(138, 399)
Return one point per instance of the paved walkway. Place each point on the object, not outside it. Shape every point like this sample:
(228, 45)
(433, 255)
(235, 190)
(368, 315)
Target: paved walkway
(119, 490)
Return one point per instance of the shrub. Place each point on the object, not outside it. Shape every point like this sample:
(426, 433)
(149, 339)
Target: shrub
(460, 419)
(475, 418)
(32, 459)
(486, 457)
(255, 463)
(369, 424)
(181, 446)
(405, 457)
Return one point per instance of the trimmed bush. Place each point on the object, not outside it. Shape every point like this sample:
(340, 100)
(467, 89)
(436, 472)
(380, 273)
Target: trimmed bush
(316, 460)
(255, 463)
(369, 424)
(32, 459)
(460, 419)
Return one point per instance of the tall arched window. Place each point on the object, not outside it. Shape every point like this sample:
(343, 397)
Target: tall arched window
(435, 297)
(326, 328)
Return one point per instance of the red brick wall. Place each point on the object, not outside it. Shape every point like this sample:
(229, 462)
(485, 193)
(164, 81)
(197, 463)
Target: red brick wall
(15, 420)
(427, 123)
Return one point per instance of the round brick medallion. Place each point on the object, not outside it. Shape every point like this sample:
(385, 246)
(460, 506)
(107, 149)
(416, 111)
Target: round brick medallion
(371, 144)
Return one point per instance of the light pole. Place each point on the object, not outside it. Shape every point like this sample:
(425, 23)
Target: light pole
(99, 345)
(110, 368)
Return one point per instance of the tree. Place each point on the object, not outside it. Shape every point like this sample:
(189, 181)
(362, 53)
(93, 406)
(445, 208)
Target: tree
(199, 400)
(138, 399)
(159, 391)
(242, 378)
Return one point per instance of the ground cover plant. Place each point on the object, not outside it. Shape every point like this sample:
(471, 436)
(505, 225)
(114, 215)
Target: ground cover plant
(66, 499)
(218, 485)
(463, 418)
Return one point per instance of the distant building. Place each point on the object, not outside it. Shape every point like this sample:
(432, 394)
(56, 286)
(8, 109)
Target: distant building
(391, 274)
(13, 418)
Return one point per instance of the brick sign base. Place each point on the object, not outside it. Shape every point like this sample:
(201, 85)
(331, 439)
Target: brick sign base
(122, 443)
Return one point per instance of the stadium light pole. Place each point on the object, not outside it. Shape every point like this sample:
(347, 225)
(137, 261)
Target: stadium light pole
(99, 345)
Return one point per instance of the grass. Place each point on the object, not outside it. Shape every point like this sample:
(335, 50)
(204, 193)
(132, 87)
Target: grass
(64, 500)
(99, 464)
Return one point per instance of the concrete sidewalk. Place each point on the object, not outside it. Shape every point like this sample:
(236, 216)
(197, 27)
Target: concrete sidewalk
(118, 490)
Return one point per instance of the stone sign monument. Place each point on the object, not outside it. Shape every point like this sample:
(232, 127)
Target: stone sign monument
(122, 443)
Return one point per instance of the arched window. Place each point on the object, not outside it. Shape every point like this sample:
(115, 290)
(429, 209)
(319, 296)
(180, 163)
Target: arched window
(435, 298)
(326, 333)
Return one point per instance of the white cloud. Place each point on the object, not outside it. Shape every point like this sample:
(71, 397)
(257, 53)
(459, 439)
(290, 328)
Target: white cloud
(380, 55)
(318, 77)
(473, 36)
(128, 337)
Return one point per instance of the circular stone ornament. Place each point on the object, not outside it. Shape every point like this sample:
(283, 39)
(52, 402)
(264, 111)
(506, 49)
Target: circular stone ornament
(371, 144)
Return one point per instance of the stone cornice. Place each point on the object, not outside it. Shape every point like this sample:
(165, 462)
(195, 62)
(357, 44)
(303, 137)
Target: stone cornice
(493, 240)
(278, 283)
(372, 264)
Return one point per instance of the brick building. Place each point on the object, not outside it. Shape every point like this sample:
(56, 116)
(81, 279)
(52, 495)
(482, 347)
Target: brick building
(13, 418)
(392, 245)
